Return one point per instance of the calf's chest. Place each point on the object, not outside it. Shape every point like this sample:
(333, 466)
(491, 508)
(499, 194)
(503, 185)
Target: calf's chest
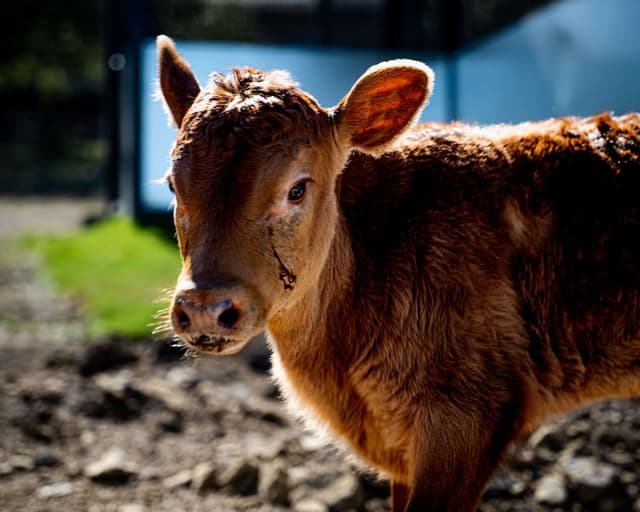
(329, 406)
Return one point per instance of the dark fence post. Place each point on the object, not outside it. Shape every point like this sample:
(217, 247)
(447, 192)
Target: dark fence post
(112, 46)
(128, 25)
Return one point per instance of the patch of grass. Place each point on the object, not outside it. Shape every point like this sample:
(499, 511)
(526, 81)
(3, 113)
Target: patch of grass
(116, 270)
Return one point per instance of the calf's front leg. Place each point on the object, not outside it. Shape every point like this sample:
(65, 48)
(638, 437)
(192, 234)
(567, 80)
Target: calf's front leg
(399, 496)
(454, 454)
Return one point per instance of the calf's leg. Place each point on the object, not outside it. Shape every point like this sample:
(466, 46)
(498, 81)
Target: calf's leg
(454, 454)
(399, 496)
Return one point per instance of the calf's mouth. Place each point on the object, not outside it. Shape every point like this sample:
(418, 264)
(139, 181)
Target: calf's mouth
(214, 344)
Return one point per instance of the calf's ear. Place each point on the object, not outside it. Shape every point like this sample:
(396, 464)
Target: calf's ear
(178, 84)
(384, 102)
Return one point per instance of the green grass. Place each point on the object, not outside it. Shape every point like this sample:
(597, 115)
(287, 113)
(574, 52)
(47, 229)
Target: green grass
(115, 270)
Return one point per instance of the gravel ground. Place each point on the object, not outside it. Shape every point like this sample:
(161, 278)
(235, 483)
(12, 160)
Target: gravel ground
(133, 426)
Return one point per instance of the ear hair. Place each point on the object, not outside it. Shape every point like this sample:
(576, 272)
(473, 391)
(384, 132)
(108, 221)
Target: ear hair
(158, 96)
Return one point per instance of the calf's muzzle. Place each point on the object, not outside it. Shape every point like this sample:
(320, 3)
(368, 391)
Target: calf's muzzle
(218, 318)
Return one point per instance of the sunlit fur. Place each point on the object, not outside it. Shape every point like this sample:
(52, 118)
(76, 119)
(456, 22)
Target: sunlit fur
(455, 285)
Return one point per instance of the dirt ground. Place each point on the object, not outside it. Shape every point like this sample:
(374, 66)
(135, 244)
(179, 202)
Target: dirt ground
(132, 426)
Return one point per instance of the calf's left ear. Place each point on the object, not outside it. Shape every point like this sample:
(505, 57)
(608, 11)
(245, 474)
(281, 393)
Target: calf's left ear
(383, 103)
(177, 82)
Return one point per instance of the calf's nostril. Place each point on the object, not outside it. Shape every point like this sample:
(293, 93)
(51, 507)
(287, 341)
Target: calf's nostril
(183, 320)
(229, 317)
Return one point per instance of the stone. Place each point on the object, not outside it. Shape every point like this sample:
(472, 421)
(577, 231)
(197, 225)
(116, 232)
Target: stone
(621, 459)
(73, 469)
(544, 456)
(551, 490)
(313, 443)
(310, 505)
(180, 479)
(88, 438)
(170, 421)
(316, 476)
(21, 463)
(116, 383)
(344, 494)
(49, 391)
(151, 473)
(273, 484)
(111, 468)
(523, 459)
(5, 469)
(264, 447)
(55, 490)
(549, 437)
(204, 477)
(588, 471)
(168, 394)
(595, 483)
(240, 478)
(376, 505)
(131, 507)
(184, 377)
(501, 486)
(578, 428)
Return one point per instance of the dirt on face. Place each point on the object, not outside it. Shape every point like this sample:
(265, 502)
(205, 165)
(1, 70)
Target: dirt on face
(132, 425)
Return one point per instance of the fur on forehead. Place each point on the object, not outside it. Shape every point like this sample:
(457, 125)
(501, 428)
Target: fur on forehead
(252, 105)
(247, 89)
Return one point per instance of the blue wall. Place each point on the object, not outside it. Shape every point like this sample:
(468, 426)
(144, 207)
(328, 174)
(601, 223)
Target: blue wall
(576, 57)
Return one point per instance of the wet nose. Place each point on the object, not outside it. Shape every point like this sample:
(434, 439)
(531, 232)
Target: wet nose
(191, 315)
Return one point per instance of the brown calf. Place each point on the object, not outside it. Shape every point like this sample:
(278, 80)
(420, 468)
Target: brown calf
(430, 293)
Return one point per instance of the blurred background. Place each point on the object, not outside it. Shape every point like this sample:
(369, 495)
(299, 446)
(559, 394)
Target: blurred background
(95, 414)
(76, 78)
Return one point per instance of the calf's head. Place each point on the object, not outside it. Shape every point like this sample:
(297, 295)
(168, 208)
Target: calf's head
(254, 170)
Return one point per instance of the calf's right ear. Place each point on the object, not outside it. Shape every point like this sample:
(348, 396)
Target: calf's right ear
(383, 103)
(177, 82)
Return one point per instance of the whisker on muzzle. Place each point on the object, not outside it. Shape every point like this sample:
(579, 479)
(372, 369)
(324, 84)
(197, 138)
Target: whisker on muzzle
(161, 324)
(162, 328)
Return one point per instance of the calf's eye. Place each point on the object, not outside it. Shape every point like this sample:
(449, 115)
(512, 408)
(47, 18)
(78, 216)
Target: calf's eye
(297, 192)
